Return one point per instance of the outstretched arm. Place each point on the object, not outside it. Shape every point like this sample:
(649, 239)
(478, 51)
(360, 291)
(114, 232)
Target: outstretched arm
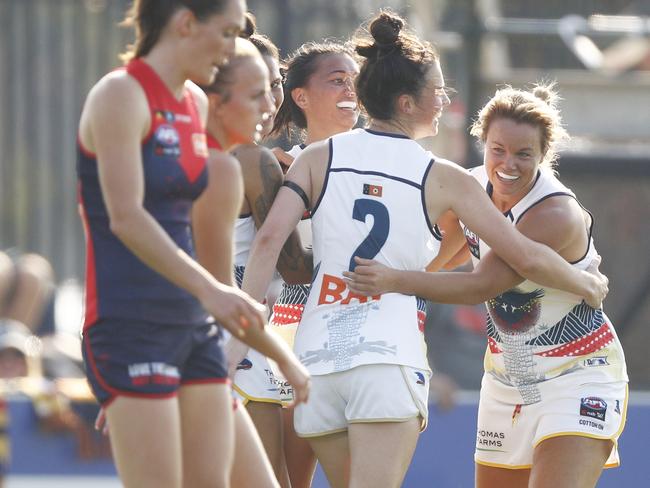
(557, 222)
(453, 250)
(453, 187)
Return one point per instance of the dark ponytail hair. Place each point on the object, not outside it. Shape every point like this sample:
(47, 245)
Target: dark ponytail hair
(263, 44)
(396, 62)
(149, 17)
(300, 66)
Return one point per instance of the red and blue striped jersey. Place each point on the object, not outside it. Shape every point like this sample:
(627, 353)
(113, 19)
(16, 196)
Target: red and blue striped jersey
(174, 152)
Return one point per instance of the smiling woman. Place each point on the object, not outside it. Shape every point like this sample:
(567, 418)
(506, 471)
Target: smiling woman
(374, 193)
(239, 103)
(553, 362)
(320, 100)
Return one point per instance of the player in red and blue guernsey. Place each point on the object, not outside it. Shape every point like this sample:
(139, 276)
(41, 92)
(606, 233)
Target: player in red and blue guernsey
(151, 344)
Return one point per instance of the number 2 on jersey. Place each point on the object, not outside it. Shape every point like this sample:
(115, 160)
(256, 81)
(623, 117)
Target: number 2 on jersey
(375, 240)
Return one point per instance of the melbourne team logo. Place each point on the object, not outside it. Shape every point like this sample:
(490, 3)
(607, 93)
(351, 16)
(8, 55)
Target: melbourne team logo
(593, 407)
(472, 243)
(167, 141)
(515, 312)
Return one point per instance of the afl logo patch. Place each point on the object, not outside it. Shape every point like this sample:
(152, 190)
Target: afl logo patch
(473, 243)
(593, 407)
(167, 141)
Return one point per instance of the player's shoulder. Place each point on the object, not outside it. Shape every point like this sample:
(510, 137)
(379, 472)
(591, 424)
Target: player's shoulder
(253, 153)
(562, 209)
(117, 87)
(316, 152)
(222, 163)
(446, 167)
(258, 162)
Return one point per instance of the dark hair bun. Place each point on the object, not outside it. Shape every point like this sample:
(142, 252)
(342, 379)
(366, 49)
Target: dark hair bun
(251, 26)
(385, 29)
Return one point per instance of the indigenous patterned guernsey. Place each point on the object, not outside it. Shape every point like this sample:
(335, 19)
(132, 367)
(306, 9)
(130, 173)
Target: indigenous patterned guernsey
(537, 333)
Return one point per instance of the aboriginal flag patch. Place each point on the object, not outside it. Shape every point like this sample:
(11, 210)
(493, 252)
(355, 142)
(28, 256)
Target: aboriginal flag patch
(372, 190)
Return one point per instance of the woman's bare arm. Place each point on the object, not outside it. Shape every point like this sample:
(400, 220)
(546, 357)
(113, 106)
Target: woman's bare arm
(557, 222)
(214, 215)
(452, 187)
(263, 178)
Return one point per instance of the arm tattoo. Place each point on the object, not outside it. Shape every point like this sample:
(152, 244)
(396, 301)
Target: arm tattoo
(292, 257)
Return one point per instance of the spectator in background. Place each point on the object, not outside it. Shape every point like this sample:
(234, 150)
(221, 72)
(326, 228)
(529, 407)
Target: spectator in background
(26, 284)
(21, 374)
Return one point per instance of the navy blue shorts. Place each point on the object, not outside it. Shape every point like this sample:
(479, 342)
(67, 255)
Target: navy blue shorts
(148, 360)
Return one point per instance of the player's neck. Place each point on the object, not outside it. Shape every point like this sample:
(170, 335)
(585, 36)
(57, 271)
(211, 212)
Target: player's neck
(390, 127)
(161, 60)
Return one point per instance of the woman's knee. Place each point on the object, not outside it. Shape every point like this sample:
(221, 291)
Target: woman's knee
(34, 272)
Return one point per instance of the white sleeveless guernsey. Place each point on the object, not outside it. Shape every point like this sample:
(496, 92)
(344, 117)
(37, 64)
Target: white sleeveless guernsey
(372, 206)
(244, 234)
(537, 333)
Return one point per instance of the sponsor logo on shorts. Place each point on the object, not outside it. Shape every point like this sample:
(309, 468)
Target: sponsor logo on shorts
(420, 378)
(245, 364)
(489, 438)
(285, 389)
(593, 407)
(591, 423)
(274, 382)
(617, 408)
(153, 373)
(596, 361)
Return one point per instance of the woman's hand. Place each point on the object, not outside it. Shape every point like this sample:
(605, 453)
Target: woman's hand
(298, 377)
(233, 309)
(283, 157)
(235, 352)
(599, 284)
(370, 277)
